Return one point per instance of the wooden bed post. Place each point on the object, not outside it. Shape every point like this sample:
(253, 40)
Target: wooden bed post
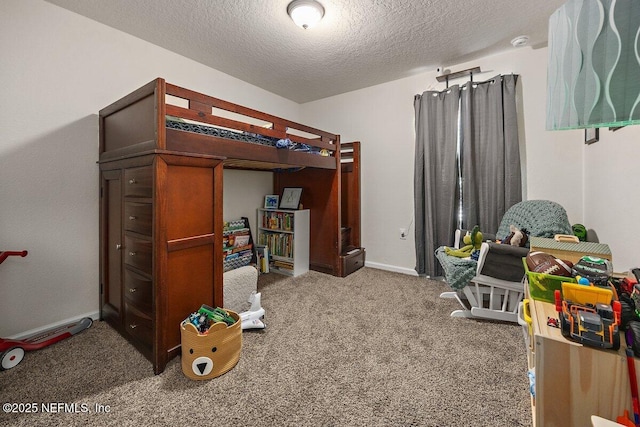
(161, 111)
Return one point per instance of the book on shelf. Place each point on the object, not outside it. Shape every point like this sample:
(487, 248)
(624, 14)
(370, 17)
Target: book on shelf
(276, 220)
(263, 257)
(237, 244)
(235, 255)
(279, 244)
(234, 249)
(241, 240)
(237, 231)
(238, 238)
(283, 264)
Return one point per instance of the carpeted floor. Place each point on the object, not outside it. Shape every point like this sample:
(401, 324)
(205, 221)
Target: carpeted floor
(373, 349)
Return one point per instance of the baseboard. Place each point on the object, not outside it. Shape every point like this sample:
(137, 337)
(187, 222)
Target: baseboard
(394, 268)
(95, 315)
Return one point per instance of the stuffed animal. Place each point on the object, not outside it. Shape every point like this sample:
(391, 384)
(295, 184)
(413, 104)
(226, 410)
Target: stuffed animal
(472, 242)
(516, 237)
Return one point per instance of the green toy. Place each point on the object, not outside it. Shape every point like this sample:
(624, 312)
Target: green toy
(472, 240)
(580, 231)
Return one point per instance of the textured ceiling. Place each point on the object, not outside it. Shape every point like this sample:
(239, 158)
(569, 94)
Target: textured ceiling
(359, 43)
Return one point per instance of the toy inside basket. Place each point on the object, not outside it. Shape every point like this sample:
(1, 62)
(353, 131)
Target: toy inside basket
(542, 286)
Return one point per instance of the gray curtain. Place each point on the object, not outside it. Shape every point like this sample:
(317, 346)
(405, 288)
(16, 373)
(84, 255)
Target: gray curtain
(490, 155)
(435, 175)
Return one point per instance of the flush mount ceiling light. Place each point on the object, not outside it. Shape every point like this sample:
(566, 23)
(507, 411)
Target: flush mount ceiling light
(593, 74)
(305, 13)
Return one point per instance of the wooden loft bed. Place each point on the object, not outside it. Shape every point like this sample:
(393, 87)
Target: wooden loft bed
(162, 152)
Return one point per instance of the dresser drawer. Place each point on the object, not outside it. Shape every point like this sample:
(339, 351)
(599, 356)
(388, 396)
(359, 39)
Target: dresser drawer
(138, 325)
(352, 262)
(138, 182)
(138, 217)
(138, 291)
(138, 254)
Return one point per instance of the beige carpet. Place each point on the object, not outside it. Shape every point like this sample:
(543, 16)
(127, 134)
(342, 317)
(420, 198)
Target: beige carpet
(373, 349)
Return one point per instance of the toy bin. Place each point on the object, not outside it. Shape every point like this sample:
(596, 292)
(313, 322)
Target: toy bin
(206, 356)
(543, 286)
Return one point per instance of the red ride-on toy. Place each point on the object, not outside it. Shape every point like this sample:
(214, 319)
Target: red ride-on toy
(12, 351)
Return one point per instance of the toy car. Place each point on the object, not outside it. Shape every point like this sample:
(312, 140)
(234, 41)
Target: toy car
(589, 315)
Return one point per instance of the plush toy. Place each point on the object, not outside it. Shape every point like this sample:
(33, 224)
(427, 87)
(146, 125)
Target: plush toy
(580, 232)
(516, 237)
(472, 242)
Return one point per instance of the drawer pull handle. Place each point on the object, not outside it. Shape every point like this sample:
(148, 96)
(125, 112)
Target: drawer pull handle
(132, 290)
(118, 246)
(133, 326)
(132, 253)
(132, 217)
(132, 181)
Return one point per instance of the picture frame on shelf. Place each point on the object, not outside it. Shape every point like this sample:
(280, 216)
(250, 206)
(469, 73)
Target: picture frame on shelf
(271, 201)
(290, 198)
(591, 135)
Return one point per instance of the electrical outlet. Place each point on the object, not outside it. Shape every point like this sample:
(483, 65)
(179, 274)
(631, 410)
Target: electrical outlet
(403, 234)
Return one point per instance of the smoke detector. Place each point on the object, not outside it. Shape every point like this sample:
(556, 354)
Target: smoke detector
(520, 41)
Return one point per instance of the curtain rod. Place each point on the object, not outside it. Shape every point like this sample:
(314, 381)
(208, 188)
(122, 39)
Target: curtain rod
(464, 87)
(458, 74)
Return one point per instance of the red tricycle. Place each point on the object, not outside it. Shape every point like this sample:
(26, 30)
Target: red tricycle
(12, 351)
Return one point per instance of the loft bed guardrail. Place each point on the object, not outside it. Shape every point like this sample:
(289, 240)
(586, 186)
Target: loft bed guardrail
(198, 123)
(200, 109)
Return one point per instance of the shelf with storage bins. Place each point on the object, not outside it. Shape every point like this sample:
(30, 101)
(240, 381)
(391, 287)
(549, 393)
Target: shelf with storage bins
(237, 244)
(286, 235)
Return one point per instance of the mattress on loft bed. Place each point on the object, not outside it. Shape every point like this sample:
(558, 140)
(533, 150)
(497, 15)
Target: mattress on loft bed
(180, 124)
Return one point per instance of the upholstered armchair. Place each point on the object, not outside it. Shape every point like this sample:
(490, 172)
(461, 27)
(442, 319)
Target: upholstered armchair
(492, 286)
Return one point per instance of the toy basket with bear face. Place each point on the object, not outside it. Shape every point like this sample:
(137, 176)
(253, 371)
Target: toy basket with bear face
(206, 356)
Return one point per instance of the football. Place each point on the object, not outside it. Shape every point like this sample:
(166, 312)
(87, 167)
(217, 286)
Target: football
(542, 262)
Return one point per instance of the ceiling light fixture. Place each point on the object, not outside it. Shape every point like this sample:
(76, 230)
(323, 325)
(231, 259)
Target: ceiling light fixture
(305, 13)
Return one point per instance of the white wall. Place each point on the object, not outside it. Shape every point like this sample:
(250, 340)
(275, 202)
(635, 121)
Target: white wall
(611, 194)
(58, 70)
(253, 186)
(597, 184)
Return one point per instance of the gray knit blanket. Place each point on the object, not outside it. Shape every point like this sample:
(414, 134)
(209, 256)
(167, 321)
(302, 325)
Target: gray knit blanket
(541, 218)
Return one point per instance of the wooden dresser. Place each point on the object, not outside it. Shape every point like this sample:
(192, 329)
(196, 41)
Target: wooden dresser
(160, 229)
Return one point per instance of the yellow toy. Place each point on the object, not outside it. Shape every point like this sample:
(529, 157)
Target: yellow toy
(472, 242)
